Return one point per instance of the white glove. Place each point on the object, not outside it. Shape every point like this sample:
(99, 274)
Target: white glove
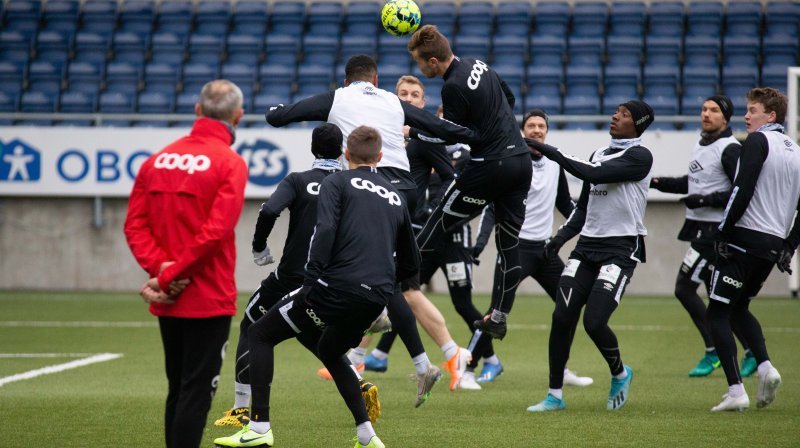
(263, 258)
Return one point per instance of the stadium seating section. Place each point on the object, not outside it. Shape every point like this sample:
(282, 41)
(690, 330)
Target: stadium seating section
(144, 56)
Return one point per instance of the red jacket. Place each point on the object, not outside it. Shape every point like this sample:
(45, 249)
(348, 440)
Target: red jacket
(184, 206)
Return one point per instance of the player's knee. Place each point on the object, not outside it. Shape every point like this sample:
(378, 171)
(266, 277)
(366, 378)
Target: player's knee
(593, 324)
(564, 318)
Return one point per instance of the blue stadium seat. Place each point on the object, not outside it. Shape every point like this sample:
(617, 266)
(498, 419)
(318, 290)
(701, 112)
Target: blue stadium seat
(282, 48)
(99, 16)
(514, 76)
(244, 48)
(168, 48)
(250, 18)
(589, 19)
(741, 51)
(117, 103)
(666, 19)
(242, 75)
(14, 47)
(551, 104)
(53, 46)
(61, 16)
(544, 80)
(175, 17)
(287, 18)
(472, 46)
(263, 101)
(353, 45)
(137, 16)
(585, 52)
(582, 81)
(12, 75)
(197, 74)
(85, 76)
(160, 77)
(736, 82)
(320, 50)
(513, 19)
(389, 73)
(276, 79)
(743, 19)
(625, 51)
(627, 19)
(476, 19)
(701, 51)
(704, 18)
(577, 104)
(510, 49)
(307, 90)
(35, 101)
(664, 80)
(313, 74)
(77, 102)
(551, 19)
(547, 50)
(782, 18)
(91, 47)
(361, 19)
(8, 101)
(391, 48)
(205, 47)
(45, 76)
(695, 94)
(441, 13)
(620, 80)
(663, 52)
(155, 102)
(23, 16)
(325, 19)
(213, 17)
(184, 104)
(662, 104)
(612, 100)
(123, 77)
(128, 47)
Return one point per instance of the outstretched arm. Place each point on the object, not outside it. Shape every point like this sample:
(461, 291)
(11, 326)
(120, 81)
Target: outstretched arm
(629, 165)
(314, 108)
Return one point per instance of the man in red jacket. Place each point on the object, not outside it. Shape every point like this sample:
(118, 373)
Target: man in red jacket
(182, 212)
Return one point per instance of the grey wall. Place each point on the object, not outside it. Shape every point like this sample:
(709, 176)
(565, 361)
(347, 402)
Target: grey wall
(52, 244)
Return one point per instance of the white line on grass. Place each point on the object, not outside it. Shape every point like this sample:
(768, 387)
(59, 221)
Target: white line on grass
(102, 357)
(77, 324)
(543, 327)
(45, 355)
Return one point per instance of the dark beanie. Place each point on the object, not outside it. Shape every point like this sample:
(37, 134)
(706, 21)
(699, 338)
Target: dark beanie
(535, 113)
(326, 141)
(725, 105)
(641, 113)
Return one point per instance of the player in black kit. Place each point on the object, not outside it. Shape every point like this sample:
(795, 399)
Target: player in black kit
(610, 219)
(474, 96)
(351, 273)
(755, 234)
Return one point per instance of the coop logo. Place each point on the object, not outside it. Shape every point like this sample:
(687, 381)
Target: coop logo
(361, 184)
(19, 162)
(184, 162)
(476, 201)
(267, 164)
(695, 167)
(732, 282)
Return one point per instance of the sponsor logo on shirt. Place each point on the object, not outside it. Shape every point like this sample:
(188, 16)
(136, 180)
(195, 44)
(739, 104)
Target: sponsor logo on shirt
(470, 200)
(363, 184)
(695, 166)
(190, 163)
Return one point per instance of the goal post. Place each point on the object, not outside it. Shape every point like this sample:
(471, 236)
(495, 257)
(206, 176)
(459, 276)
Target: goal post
(792, 81)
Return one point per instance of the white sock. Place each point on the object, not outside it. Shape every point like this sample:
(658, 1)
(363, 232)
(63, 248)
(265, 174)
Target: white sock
(710, 349)
(356, 355)
(379, 354)
(365, 432)
(259, 427)
(763, 368)
(622, 375)
(421, 363)
(241, 395)
(491, 360)
(499, 316)
(449, 349)
(737, 390)
(556, 393)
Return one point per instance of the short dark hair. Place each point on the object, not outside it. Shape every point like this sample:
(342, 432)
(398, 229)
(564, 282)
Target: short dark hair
(360, 68)
(364, 144)
(773, 101)
(430, 43)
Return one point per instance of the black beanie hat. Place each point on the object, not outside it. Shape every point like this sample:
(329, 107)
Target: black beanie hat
(326, 141)
(641, 113)
(725, 105)
(535, 113)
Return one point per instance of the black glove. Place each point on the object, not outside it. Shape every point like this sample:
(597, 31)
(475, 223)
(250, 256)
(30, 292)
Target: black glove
(553, 246)
(541, 147)
(721, 249)
(655, 182)
(694, 201)
(476, 252)
(785, 260)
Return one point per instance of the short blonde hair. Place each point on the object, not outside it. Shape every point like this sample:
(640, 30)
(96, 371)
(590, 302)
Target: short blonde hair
(409, 79)
(364, 144)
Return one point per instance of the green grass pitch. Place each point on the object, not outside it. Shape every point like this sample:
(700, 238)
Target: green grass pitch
(120, 402)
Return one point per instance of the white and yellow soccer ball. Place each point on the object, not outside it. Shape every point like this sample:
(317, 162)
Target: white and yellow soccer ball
(401, 17)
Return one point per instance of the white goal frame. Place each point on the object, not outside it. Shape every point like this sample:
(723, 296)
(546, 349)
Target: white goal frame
(792, 82)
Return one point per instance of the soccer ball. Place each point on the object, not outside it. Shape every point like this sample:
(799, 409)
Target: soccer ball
(400, 17)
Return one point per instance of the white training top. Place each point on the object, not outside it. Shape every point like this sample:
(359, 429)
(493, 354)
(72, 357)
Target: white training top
(616, 209)
(706, 176)
(772, 208)
(363, 104)
(538, 224)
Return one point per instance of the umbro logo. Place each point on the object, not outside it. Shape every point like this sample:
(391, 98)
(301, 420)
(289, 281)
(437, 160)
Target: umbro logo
(695, 167)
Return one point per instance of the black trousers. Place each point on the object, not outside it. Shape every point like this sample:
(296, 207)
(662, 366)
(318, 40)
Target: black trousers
(193, 351)
(329, 331)
(504, 182)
